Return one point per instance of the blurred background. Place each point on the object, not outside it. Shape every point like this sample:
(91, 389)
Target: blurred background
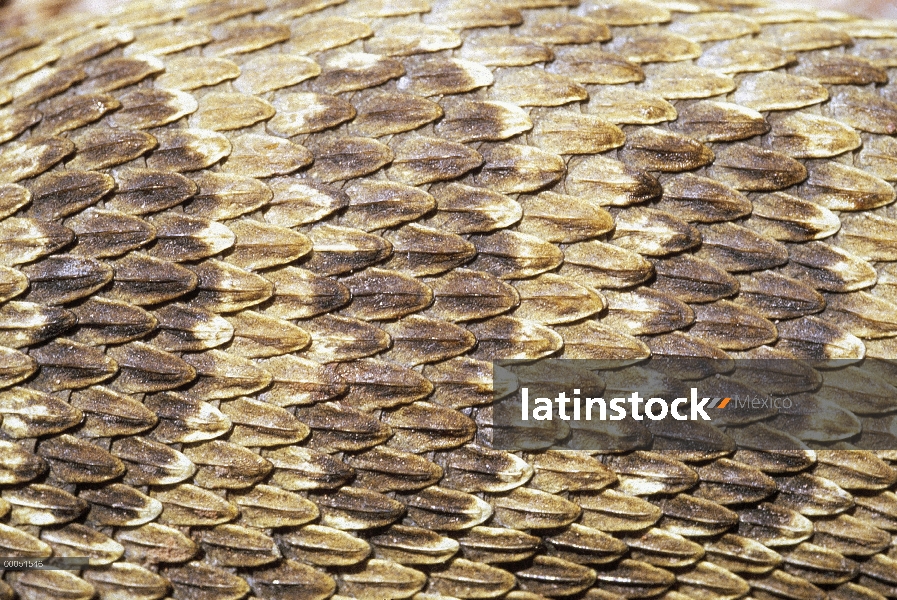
(21, 11)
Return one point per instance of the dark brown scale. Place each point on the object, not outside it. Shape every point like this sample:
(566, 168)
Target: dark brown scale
(101, 148)
(66, 365)
(151, 463)
(385, 470)
(72, 460)
(107, 413)
(419, 340)
(375, 384)
(144, 368)
(466, 121)
(109, 234)
(188, 505)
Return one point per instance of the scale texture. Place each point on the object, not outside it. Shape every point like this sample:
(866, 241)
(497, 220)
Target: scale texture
(256, 257)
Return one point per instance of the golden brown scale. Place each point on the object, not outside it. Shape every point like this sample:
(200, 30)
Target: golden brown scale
(257, 255)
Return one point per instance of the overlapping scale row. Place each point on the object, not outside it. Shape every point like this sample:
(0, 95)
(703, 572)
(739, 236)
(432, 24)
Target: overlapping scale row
(256, 256)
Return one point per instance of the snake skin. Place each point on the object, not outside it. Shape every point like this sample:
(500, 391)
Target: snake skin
(257, 255)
